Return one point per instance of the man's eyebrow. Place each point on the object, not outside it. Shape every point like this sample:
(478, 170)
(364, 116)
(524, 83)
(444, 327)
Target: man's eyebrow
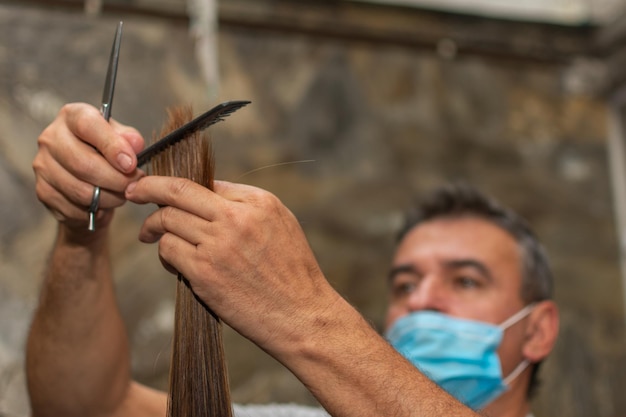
(399, 269)
(470, 263)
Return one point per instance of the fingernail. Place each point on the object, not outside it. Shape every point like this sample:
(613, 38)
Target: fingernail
(131, 187)
(125, 161)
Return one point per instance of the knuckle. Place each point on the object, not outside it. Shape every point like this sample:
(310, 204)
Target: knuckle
(257, 194)
(81, 195)
(230, 213)
(268, 204)
(166, 247)
(262, 198)
(41, 191)
(178, 188)
(110, 148)
(67, 109)
(163, 246)
(84, 122)
(70, 108)
(44, 138)
(167, 214)
(38, 165)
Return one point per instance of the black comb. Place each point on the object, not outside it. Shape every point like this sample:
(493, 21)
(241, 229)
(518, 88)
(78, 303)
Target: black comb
(216, 114)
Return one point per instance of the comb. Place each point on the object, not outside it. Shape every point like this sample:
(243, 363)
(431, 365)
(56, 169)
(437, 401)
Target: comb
(216, 114)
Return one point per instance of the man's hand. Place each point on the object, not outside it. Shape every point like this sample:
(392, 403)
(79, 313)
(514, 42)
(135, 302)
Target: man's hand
(243, 252)
(78, 151)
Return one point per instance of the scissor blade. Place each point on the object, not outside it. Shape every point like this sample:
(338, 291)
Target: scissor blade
(109, 85)
(216, 114)
(105, 110)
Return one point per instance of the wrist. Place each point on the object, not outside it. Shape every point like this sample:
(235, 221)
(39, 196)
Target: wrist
(78, 235)
(326, 333)
(340, 359)
(68, 237)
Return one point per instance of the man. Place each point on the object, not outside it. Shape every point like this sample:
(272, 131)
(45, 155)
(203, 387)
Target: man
(244, 253)
(470, 291)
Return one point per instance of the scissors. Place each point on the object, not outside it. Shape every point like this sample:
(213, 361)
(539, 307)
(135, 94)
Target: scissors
(105, 110)
(216, 114)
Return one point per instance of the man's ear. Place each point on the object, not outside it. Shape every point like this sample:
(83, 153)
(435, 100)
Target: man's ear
(541, 331)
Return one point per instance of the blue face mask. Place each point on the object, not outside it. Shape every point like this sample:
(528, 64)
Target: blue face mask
(459, 355)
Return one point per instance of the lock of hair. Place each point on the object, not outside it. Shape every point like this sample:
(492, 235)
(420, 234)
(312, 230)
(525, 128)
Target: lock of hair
(199, 385)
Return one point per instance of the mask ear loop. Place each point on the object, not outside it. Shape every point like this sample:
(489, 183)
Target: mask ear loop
(516, 372)
(517, 317)
(505, 325)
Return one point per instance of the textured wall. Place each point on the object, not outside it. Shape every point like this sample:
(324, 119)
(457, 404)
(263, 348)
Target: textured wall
(382, 124)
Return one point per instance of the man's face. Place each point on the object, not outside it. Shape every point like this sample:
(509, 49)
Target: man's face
(465, 267)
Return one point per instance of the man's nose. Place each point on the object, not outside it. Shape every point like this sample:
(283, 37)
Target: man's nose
(430, 294)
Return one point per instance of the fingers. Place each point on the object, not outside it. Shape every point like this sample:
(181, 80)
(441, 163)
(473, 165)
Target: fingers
(175, 254)
(130, 134)
(75, 191)
(80, 150)
(81, 162)
(179, 192)
(182, 224)
(167, 266)
(185, 223)
(89, 147)
(86, 123)
(64, 210)
(166, 191)
(228, 201)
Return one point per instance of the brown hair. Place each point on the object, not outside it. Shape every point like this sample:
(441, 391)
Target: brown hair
(198, 376)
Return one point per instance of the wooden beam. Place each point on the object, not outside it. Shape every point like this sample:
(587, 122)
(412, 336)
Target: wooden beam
(376, 24)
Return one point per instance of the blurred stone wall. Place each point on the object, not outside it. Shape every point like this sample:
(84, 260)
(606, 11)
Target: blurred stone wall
(381, 123)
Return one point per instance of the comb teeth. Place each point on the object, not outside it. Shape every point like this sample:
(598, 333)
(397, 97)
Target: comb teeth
(216, 114)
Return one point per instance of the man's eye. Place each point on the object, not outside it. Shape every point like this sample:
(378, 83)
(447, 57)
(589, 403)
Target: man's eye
(466, 282)
(402, 289)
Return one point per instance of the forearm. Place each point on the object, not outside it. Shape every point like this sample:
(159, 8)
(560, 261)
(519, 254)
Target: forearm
(77, 353)
(354, 372)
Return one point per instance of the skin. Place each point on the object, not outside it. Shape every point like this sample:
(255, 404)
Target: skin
(470, 268)
(244, 254)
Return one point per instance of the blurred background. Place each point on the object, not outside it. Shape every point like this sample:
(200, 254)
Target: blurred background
(357, 108)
